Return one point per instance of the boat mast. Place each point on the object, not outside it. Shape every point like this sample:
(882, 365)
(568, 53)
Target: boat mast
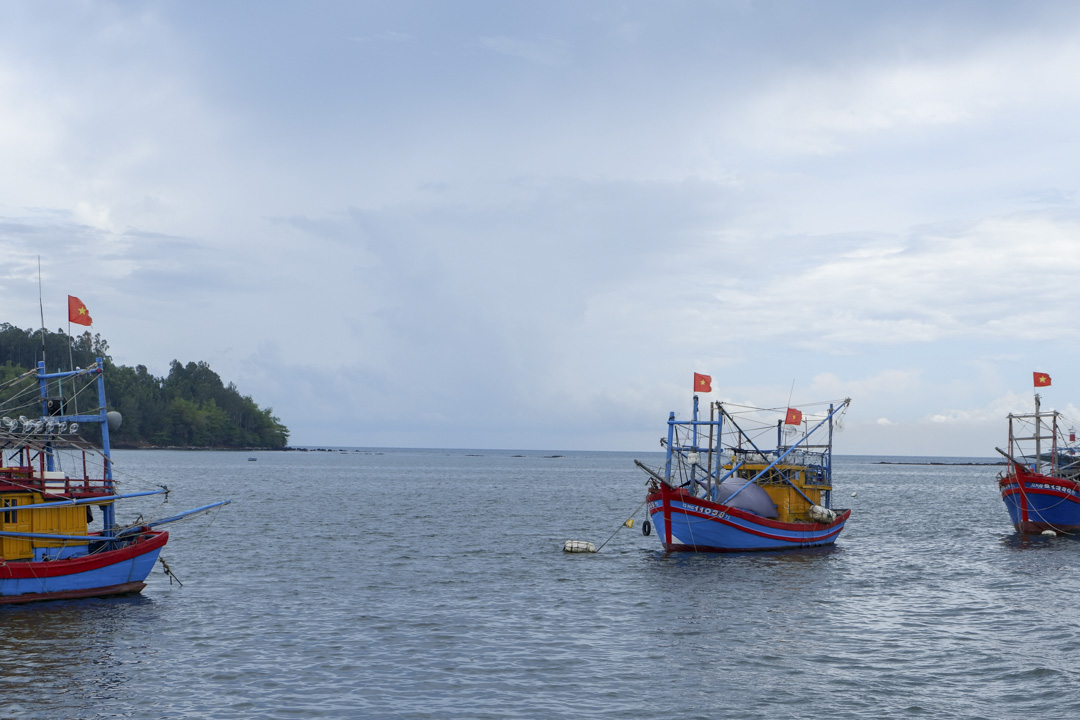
(1038, 437)
(108, 512)
(828, 461)
(708, 462)
(670, 445)
(694, 449)
(43, 386)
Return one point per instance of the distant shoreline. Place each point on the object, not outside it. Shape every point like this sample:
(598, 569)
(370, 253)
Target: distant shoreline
(894, 462)
(498, 451)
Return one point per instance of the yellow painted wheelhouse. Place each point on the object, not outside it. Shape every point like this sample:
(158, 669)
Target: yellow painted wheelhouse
(793, 489)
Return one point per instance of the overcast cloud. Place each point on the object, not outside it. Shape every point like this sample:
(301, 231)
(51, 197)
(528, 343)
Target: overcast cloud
(526, 225)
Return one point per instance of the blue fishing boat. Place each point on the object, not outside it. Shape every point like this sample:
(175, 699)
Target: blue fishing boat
(51, 477)
(1041, 487)
(722, 489)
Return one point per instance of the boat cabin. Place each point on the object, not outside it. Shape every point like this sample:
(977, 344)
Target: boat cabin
(794, 489)
(27, 490)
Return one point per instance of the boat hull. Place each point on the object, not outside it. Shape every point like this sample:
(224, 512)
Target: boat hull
(106, 573)
(688, 523)
(1037, 503)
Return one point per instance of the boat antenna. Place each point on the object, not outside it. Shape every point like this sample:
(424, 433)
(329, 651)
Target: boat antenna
(41, 307)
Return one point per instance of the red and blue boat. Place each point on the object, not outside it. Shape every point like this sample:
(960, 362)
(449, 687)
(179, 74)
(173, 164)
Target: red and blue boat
(722, 489)
(51, 477)
(1041, 487)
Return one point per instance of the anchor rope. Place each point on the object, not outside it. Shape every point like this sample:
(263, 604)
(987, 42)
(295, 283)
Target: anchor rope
(622, 526)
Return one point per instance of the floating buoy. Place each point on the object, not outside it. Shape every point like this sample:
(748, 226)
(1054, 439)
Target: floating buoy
(1050, 533)
(578, 546)
(854, 493)
(629, 523)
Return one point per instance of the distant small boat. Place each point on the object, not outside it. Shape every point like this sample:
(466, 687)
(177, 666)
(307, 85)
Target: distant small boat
(1041, 487)
(252, 459)
(50, 476)
(721, 490)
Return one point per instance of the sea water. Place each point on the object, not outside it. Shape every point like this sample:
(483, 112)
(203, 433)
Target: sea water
(432, 584)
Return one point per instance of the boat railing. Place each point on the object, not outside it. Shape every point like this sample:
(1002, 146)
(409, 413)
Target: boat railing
(76, 487)
(51, 484)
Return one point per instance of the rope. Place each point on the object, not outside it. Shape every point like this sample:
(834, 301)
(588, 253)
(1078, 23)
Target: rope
(1023, 492)
(622, 526)
(169, 572)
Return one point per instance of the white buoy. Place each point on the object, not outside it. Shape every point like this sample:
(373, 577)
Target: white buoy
(1051, 533)
(578, 546)
(854, 493)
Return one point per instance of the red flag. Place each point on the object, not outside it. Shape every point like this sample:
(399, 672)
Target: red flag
(77, 312)
(1041, 379)
(702, 383)
(794, 417)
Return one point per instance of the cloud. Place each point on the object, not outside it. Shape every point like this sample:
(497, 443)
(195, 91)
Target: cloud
(830, 108)
(428, 226)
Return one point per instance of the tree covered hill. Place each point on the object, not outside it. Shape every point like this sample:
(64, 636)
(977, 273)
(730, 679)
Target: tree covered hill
(190, 407)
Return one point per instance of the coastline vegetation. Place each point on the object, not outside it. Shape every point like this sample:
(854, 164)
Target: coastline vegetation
(190, 407)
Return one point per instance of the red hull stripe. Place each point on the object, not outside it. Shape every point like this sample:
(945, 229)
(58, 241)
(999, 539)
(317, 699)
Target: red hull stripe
(741, 514)
(1030, 477)
(807, 530)
(73, 594)
(1041, 491)
(804, 528)
(55, 568)
(802, 533)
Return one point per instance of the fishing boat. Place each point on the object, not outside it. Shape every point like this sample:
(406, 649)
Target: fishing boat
(721, 489)
(1041, 487)
(50, 479)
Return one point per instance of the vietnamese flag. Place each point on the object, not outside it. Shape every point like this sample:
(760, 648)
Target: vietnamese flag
(1041, 379)
(794, 417)
(77, 312)
(702, 383)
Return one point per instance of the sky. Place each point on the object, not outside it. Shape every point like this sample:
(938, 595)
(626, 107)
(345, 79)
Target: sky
(483, 224)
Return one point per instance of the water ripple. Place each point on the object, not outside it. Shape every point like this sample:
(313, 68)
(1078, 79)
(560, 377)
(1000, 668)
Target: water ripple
(430, 584)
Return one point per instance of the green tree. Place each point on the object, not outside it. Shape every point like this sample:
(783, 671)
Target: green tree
(190, 407)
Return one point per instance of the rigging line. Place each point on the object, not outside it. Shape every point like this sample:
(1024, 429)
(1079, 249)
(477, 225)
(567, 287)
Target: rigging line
(17, 378)
(25, 395)
(214, 515)
(777, 409)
